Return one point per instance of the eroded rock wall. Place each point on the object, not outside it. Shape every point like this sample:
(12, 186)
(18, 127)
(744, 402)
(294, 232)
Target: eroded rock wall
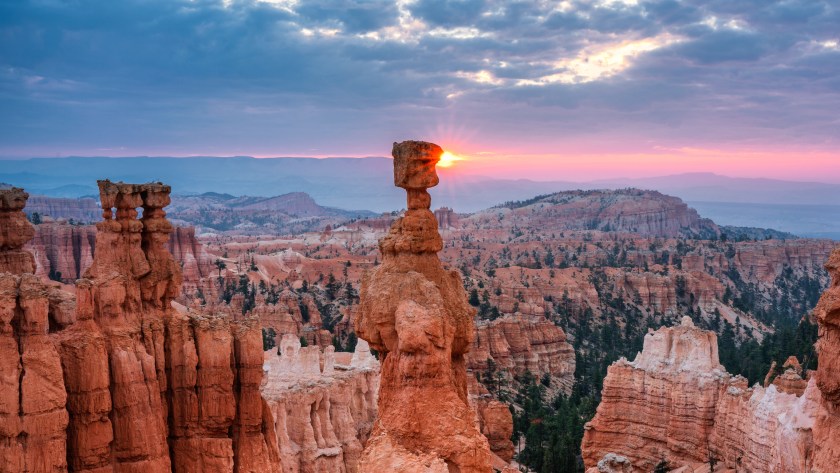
(33, 414)
(675, 402)
(323, 405)
(520, 343)
(63, 252)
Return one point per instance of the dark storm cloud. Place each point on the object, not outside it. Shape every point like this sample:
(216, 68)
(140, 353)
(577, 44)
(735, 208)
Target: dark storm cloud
(207, 75)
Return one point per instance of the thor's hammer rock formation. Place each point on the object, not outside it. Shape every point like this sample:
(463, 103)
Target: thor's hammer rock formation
(416, 315)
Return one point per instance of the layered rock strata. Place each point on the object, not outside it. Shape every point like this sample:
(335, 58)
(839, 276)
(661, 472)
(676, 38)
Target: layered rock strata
(416, 315)
(195, 262)
(81, 210)
(323, 404)
(521, 343)
(675, 402)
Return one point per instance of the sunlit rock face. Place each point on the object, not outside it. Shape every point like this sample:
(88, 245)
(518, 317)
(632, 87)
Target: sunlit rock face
(675, 402)
(416, 315)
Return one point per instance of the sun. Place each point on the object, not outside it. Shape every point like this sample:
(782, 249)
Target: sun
(447, 159)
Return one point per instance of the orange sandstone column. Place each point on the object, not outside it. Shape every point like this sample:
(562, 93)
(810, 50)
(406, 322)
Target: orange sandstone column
(416, 315)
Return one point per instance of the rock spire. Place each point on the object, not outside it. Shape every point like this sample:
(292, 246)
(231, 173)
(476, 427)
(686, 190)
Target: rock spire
(15, 231)
(416, 315)
(33, 417)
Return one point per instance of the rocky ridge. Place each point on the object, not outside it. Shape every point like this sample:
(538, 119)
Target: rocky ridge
(637, 211)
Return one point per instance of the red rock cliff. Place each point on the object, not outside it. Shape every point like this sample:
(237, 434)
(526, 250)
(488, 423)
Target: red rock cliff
(520, 343)
(63, 251)
(827, 428)
(15, 231)
(146, 387)
(416, 315)
(33, 417)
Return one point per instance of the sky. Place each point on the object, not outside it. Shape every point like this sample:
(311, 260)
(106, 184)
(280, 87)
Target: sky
(572, 90)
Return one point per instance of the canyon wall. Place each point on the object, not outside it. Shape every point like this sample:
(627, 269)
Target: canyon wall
(676, 403)
(122, 379)
(191, 255)
(81, 210)
(520, 343)
(63, 252)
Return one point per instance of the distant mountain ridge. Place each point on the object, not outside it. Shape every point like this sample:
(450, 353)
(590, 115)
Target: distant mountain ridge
(364, 183)
(212, 211)
(642, 212)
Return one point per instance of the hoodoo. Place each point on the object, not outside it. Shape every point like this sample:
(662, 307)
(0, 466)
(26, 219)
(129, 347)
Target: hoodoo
(33, 418)
(124, 380)
(416, 315)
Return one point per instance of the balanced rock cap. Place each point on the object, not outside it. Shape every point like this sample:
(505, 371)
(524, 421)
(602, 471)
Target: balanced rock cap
(414, 164)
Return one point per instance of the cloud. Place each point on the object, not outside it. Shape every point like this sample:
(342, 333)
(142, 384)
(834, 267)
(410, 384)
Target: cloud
(448, 13)
(248, 76)
(353, 16)
(725, 45)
